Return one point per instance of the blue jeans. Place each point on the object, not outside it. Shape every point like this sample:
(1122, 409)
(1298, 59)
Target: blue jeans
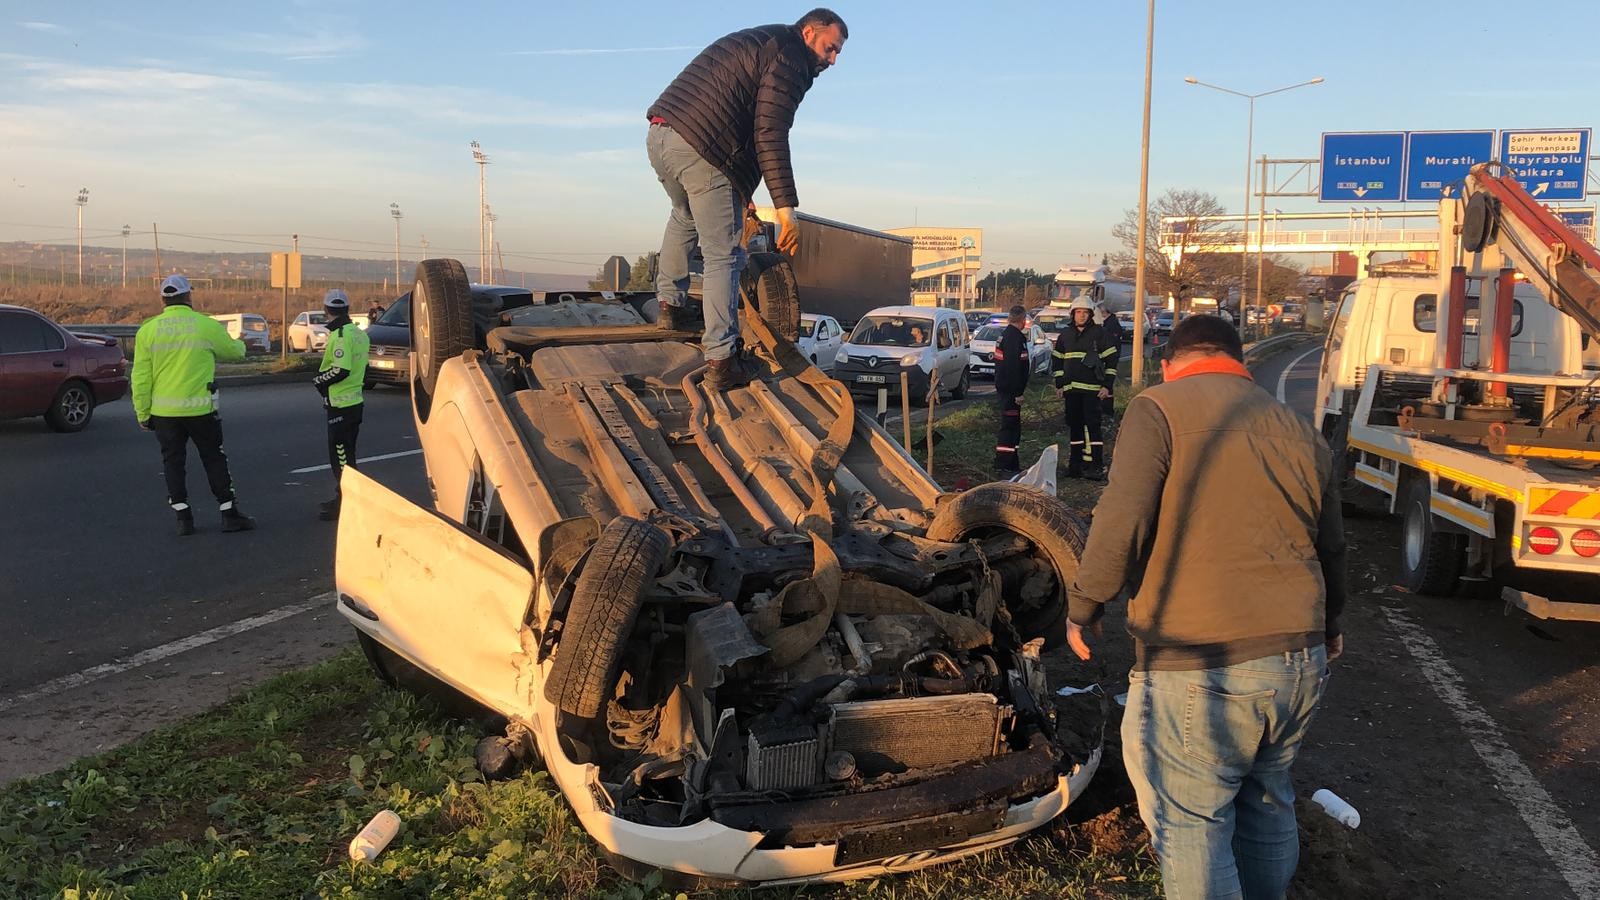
(706, 210)
(1209, 751)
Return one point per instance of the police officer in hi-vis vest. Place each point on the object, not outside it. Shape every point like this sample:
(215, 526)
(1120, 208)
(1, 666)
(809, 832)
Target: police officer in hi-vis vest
(344, 367)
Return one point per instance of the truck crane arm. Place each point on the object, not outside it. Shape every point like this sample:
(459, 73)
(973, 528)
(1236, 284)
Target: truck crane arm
(1561, 265)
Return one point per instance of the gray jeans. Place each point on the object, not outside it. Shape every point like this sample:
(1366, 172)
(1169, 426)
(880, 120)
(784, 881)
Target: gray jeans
(709, 211)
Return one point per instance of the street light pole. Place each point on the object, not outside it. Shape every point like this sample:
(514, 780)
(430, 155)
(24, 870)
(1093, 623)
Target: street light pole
(125, 232)
(482, 159)
(1249, 164)
(83, 200)
(394, 210)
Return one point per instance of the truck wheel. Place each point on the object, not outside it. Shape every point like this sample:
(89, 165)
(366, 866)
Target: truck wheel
(441, 316)
(1430, 559)
(1058, 537)
(769, 289)
(605, 602)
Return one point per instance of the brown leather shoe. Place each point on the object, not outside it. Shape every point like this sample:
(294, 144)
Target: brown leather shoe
(727, 374)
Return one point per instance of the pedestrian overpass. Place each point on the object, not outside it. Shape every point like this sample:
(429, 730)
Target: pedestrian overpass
(1360, 233)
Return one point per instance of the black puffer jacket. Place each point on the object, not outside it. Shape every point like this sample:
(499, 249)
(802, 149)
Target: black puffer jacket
(735, 102)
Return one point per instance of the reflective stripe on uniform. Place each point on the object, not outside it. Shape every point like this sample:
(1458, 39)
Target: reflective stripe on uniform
(1083, 386)
(170, 401)
(1076, 354)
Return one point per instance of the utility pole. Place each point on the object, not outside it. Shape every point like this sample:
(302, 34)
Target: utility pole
(394, 210)
(491, 218)
(125, 232)
(83, 200)
(1261, 236)
(423, 239)
(1144, 207)
(482, 159)
(156, 233)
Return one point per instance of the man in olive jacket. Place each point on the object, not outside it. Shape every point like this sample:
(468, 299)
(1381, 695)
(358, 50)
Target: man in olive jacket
(1222, 522)
(719, 129)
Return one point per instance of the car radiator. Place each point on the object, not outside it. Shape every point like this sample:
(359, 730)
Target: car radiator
(784, 759)
(917, 732)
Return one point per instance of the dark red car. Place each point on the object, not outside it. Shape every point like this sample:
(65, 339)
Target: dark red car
(48, 371)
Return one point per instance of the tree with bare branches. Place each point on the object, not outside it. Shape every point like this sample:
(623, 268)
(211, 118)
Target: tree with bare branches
(1178, 225)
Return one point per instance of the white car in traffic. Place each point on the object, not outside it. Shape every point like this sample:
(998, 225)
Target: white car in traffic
(820, 337)
(985, 339)
(309, 331)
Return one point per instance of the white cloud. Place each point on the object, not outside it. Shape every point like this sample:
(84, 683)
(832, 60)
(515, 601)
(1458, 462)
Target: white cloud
(317, 36)
(43, 26)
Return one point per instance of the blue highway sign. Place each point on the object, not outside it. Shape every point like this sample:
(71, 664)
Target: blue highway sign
(1435, 160)
(1552, 164)
(1363, 166)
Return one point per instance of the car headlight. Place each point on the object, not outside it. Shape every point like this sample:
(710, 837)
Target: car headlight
(911, 359)
(843, 358)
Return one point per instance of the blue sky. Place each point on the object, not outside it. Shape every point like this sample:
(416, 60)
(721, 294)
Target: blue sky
(251, 121)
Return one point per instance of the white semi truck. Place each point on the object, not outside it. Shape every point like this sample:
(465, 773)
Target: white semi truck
(1095, 282)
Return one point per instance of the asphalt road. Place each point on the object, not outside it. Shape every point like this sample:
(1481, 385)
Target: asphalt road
(91, 570)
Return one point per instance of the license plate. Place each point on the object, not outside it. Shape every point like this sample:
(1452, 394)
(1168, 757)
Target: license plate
(382, 364)
(869, 379)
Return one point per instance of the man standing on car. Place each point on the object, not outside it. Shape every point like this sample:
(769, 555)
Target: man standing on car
(343, 374)
(718, 129)
(175, 395)
(1012, 366)
(1086, 368)
(1231, 638)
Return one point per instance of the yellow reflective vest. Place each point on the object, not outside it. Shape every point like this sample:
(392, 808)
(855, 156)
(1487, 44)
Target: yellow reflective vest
(347, 349)
(175, 363)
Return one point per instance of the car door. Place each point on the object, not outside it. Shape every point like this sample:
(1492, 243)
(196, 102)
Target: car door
(33, 363)
(440, 596)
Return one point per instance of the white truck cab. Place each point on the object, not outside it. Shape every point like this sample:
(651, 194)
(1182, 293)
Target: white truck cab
(1393, 320)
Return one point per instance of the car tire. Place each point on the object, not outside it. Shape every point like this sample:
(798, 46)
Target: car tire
(72, 407)
(959, 392)
(376, 658)
(441, 317)
(1057, 534)
(1430, 559)
(770, 290)
(605, 602)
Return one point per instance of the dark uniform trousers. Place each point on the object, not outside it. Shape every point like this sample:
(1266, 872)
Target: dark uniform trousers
(1010, 434)
(174, 433)
(344, 426)
(1087, 448)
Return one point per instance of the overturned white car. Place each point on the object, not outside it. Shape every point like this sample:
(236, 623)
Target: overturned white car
(750, 639)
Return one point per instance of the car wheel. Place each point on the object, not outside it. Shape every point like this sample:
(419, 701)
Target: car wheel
(605, 602)
(769, 288)
(72, 408)
(1430, 559)
(1058, 537)
(441, 316)
(959, 392)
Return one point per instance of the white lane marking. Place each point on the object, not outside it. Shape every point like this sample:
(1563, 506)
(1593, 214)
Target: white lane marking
(1573, 858)
(1283, 380)
(172, 648)
(363, 459)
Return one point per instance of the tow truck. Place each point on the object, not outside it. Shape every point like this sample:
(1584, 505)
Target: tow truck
(1492, 466)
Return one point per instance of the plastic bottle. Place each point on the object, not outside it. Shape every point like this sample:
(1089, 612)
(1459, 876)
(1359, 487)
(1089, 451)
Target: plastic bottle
(1336, 807)
(366, 846)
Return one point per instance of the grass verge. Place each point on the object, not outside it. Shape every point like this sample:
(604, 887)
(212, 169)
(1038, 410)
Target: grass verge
(259, 798)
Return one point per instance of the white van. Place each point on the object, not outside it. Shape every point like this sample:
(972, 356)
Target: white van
(1393, 319)
(247, 327)
(918, 341)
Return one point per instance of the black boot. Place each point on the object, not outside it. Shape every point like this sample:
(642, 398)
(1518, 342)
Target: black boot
(330, 510)
(726, 374)
(185, 522)
(687, 317)
(233, 520)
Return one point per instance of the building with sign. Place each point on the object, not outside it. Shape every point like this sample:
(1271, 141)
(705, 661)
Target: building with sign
(944, 265)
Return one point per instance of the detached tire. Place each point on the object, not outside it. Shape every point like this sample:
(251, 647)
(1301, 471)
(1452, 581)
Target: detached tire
(72, 408)
(441, 317)
(770, 290)
(1058, 537)
(605, 602)
(1430, 559)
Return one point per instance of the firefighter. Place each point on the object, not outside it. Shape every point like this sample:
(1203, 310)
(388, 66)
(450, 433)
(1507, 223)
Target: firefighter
(1108, 322)
(175, 395)
(344, 366)
(1085, 370)
(1012, 366)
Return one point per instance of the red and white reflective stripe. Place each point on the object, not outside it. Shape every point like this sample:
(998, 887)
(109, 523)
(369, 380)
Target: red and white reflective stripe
(1585, 542)
(1006, 449)
(1544, 540)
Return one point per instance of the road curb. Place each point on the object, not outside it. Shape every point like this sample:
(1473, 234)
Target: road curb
(266, 378)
